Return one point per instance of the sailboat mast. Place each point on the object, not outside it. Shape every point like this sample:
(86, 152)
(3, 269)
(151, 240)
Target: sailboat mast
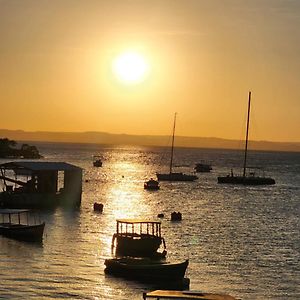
(172, 148)
(247, 131)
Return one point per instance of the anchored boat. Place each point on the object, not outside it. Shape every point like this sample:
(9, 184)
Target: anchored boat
(171, 176)
(21, 224)
(246, 179)
(97, 161)
(151, 184)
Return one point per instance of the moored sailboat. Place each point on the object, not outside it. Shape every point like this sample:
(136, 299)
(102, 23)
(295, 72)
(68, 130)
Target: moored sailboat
(250, 178)
(171, 176)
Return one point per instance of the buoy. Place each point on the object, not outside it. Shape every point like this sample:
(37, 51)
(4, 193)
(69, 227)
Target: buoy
(176, 216)
(98, 207)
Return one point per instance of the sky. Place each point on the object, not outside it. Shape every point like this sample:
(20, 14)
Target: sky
(203, 57)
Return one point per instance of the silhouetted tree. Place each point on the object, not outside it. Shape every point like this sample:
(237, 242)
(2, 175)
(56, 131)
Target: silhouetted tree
(7, 150)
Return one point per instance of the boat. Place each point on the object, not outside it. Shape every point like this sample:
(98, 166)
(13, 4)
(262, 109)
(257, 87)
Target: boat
(97, 161)
(249, 178)
(139, 238)
(172, 176)
(151, 184)
(185, 295)
(203, 167)
(146, 269)
(21, 224)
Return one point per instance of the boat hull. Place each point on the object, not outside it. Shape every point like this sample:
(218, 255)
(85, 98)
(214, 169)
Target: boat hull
(30, 233)
(252, 180)
(176, 177)
(146, 270)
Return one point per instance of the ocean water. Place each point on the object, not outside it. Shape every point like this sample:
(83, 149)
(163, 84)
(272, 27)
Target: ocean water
(243, 241)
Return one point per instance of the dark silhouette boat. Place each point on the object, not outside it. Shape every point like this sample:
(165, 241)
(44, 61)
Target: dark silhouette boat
(97, 161)
(171, 176)
(139, 238)
(21, 224)
(151, 184)
(147, 270)
(246, 178)
(203, 167)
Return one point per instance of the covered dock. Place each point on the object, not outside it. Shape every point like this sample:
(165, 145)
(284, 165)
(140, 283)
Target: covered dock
(32, 184)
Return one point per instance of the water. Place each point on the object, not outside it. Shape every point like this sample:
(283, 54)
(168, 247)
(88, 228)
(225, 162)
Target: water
(243, 241)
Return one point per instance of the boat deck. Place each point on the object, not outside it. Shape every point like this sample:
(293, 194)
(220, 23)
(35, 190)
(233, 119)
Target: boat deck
(185, 295)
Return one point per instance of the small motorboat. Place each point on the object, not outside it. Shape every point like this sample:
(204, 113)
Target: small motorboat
(97, 161)
(146, 269)
(151, 184)
(203, 167)
(139, 238)
(21, 224)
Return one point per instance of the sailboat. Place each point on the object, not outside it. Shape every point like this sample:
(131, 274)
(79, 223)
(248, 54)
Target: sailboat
(171, 176)
(246, 179)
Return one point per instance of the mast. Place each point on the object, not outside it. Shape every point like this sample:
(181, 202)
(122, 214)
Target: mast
(247, 131)
(172, 148)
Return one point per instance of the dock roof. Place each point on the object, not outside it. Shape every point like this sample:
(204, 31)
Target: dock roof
(39, 166)
(5, 211)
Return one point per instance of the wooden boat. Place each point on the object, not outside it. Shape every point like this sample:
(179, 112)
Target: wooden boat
(20, 224)
(146, 269)
(151, 184)
(171, 176)
(139, 238)
(246, 179)
(97, 161)
(203, 167)
(185, 295)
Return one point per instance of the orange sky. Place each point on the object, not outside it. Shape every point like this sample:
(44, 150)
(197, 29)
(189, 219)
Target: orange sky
(204, 56)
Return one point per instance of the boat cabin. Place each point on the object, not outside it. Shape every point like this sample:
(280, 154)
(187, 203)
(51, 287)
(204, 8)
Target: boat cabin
(31, 184)
(136, 237)
(185, 295)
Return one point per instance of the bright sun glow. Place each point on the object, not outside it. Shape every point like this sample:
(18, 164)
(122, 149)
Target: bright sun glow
(130, 68)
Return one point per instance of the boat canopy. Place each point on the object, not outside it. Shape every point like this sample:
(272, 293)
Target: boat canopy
(138, 227)
(135, 221)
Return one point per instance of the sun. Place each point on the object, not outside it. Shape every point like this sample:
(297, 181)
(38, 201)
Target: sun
(130, 67)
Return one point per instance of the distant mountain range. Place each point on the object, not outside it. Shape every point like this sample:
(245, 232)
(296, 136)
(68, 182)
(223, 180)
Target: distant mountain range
(145, 140)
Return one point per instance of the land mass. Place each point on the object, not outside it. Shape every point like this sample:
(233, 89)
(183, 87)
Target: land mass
(145, 140)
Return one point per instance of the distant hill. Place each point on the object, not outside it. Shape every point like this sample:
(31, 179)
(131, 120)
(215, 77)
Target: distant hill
(146, 140)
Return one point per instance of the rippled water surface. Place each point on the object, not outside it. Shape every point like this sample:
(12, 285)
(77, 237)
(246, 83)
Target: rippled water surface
(243, 241)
